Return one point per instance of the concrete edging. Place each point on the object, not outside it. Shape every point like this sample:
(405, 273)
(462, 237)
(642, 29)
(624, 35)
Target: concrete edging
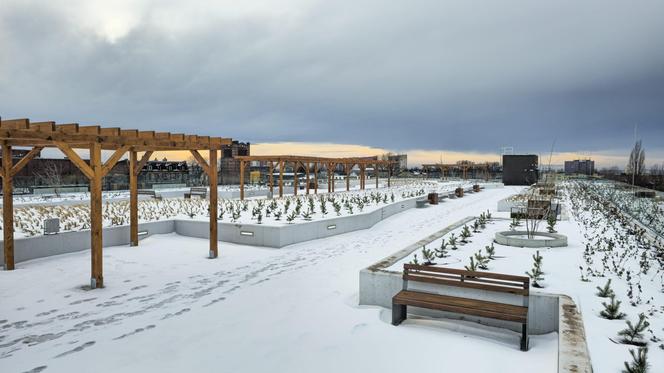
(555, 239)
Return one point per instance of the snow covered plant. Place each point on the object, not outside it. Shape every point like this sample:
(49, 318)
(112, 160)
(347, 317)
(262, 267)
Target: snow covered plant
(536, 273)
(633, 334)
(428, 255)
(639, 363)
(442, 252)
(482, 261)
(611, 310)
(307, 214)
(453, 241)
(465, 234)
(490, 251)
(337, 207)
(605, 291)
(472, 266)
(291, 217)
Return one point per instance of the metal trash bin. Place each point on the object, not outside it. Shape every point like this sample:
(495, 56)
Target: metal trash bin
(51, 226)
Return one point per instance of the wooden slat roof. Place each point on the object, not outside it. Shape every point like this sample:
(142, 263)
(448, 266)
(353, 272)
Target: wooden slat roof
(21, 132)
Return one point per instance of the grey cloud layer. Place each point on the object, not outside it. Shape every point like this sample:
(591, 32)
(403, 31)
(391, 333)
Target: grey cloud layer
(399, 74)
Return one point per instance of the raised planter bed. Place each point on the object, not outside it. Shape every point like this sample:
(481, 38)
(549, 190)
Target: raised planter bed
(539, 239)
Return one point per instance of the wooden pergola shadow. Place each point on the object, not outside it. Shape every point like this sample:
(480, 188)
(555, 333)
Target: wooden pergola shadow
(313, 165)
(66, 138)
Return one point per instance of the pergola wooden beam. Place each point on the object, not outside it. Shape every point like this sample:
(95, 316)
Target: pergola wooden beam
(24, 161)
(70, 136)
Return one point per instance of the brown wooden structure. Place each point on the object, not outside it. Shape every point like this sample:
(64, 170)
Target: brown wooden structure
(67, 138)
(312, 166)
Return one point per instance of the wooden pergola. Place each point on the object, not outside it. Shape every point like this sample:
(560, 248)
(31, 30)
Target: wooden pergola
(461, 168)
(312, 165)
(67, 138)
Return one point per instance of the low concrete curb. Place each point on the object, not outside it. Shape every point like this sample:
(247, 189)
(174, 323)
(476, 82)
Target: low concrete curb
(507, 238)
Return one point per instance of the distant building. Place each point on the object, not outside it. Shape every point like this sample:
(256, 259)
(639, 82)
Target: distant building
(229, 166)
(402, 162)
(520, 169)
(580, 167)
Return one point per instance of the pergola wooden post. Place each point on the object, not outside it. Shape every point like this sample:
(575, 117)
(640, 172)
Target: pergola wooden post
(362, 176)
(316, 178)
(306, 170)
(135, 168)
(67, 137)
(9, 169)
(295, 179)
(330, 176)
(7, 206)
(281, 178)
(347, 169)
(376, 174)
(270, 177)
(214, 238)
(241, 180)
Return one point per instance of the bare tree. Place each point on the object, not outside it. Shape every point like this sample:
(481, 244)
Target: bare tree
(637, 159)
(51, 174)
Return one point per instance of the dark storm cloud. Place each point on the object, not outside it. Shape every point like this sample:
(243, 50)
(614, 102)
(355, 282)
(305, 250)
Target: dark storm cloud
(466, 76)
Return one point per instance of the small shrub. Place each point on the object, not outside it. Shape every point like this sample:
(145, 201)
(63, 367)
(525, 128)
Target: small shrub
(639, 362)
(605, 291)
(611, 310)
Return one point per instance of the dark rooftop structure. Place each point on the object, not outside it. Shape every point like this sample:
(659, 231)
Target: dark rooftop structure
(520, 169)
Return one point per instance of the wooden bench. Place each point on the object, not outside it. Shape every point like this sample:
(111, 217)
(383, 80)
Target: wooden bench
(197, 191)
(149, 192)
(482, 281)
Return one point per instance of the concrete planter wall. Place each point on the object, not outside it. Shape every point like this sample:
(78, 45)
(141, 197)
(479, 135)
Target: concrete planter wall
(508, 238)
(29, 248)
(284, 235)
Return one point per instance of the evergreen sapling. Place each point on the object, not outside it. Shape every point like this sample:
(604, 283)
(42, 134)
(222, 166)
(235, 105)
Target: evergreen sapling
(639, 362)
(611, 310)
(633, 333)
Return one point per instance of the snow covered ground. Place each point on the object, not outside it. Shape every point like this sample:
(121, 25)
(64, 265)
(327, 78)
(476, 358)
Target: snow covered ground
(168, 308)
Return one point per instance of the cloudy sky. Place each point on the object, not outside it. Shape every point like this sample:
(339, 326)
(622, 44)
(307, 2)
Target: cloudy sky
(449, 79)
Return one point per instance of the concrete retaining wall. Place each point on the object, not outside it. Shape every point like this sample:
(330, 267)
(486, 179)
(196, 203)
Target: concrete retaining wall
(29, 248)
(280, 236)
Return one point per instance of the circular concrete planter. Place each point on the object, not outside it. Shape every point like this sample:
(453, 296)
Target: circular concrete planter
(542, 239)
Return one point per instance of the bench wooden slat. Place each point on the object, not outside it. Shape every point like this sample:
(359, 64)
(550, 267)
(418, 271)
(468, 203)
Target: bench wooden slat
(467, 306)
(470, 285)
(453, 277)
(500, 276)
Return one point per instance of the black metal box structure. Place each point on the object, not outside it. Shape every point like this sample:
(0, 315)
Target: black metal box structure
(520, 169)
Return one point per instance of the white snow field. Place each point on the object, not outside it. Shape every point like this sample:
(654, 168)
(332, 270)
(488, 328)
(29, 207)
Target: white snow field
(166, 308)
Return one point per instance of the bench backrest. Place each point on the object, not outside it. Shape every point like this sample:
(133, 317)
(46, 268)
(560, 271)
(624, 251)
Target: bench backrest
(489, 281)
(198, 190)
(146, 191)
